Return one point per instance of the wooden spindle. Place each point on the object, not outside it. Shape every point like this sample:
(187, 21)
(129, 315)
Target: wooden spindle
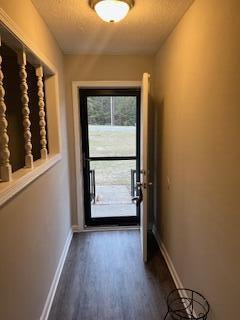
(42, 115)
(5, 167)
(25, 110)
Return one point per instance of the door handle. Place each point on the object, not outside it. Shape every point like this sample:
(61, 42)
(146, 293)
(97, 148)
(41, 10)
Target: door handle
(135, 199)
(138, 199)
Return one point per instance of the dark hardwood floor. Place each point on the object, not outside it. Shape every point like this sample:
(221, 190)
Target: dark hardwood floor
(104, 278)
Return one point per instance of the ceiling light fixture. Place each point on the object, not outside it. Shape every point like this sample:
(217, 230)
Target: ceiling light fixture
(111, 10)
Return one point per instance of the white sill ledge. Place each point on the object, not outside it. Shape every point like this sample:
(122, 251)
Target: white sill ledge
(23, 177)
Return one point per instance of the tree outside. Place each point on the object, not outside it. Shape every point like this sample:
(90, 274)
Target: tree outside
(115, 111)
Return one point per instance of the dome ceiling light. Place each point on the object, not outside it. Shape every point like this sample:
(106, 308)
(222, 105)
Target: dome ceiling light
(111, 10)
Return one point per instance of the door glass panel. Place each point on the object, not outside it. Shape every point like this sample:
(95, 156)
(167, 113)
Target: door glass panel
(112, 126)
(112, 186)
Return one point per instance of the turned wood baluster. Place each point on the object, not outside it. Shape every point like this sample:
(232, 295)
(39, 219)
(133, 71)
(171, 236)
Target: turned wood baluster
(42, 121)
(25, 110)
(5, 167)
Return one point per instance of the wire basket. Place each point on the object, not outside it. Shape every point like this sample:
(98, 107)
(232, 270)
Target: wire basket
(187, 304)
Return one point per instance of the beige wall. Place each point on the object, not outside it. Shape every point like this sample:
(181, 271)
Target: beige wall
(197, 135)
(97, 68)
(34, 225)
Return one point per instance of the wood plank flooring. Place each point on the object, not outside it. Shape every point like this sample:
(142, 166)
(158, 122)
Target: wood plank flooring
(104, 278)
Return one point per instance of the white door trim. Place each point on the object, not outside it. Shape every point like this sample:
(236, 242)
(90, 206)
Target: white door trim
(76, 85)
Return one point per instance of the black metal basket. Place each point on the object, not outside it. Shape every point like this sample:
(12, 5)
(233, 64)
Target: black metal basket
(187, 304)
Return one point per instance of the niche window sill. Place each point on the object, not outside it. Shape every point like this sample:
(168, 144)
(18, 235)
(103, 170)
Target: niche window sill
(23, 177)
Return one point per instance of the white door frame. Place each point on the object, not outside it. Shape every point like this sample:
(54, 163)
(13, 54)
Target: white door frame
(76, 85)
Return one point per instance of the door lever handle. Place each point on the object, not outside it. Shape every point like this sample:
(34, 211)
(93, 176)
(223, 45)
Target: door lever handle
(139, 198)
(135, 199)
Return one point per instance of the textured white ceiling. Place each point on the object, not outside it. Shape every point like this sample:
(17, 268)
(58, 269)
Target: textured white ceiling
(78, 29)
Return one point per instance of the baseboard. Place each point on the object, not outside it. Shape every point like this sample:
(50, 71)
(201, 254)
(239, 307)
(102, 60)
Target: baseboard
(177, 281)
(167, 258)
(53, 288)
(76, 228)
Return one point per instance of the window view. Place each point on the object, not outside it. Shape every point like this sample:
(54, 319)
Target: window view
(112, 126)
(112, 134)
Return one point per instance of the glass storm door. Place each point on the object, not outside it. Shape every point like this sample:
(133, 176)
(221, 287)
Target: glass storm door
(144, 182)
(110, 121)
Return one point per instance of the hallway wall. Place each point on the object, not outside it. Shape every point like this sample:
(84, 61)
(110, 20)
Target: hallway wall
(197, 132)
(98, 68)
(34, 225)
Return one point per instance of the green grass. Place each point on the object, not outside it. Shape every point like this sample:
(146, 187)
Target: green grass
(112, 141)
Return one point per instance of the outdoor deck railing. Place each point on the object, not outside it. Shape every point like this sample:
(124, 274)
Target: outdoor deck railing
(93, 184)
